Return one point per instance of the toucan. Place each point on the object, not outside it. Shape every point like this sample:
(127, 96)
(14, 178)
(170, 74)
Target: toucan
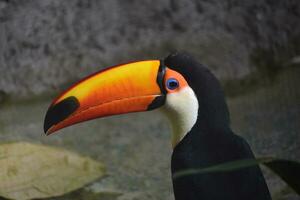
(192, 98)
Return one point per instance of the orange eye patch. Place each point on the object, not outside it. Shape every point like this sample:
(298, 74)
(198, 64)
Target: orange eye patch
(174, 81)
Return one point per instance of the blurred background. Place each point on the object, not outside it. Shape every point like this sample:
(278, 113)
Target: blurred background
(253, 47)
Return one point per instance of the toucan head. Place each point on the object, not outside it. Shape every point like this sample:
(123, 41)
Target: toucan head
(172, 84)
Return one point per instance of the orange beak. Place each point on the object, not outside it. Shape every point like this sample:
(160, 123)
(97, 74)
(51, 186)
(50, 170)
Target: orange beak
(132, 87)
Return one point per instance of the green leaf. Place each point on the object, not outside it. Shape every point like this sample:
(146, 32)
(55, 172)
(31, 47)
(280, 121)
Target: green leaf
(223, 167)
(29, 171)
(288, 170)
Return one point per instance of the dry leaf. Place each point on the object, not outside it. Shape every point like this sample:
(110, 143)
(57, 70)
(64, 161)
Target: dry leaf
(30, 171)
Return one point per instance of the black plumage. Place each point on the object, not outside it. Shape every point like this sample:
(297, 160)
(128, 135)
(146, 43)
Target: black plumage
(211, 142)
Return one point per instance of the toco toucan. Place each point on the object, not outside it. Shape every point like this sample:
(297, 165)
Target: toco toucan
(193, 100)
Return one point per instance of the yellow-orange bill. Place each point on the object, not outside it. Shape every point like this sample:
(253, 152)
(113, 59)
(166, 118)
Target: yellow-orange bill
(121, 89)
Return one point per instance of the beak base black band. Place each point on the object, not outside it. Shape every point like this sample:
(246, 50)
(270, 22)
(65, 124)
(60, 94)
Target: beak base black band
(160, 100)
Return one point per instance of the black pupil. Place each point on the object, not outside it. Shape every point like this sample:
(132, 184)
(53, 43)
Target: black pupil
(173, 84)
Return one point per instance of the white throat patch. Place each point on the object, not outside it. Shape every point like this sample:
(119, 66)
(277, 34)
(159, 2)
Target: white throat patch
(182, 110)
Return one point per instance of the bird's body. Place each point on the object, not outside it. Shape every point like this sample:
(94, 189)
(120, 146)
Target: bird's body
(200, 149)
(193, 100)
(211, 141)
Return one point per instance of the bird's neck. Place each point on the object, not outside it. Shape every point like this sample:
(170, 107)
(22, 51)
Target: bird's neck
(181, 109)
(180, 126)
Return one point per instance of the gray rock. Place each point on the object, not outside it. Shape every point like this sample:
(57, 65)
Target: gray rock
(45, 44)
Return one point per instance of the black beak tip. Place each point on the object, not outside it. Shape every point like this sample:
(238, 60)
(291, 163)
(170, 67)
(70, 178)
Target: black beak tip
(60, 111)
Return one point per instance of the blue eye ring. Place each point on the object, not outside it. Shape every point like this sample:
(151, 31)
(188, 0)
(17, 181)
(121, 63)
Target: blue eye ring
(172, 83)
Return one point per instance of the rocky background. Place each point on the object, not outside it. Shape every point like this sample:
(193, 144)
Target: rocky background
(252, 46)
(46, 44)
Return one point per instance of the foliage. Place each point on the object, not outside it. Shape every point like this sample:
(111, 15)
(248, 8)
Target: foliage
(288, 170)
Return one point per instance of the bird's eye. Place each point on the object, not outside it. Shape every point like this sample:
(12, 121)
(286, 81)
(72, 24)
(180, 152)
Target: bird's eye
(172, 84)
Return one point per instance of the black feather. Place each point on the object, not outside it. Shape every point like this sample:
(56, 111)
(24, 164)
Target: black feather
(211, 142)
